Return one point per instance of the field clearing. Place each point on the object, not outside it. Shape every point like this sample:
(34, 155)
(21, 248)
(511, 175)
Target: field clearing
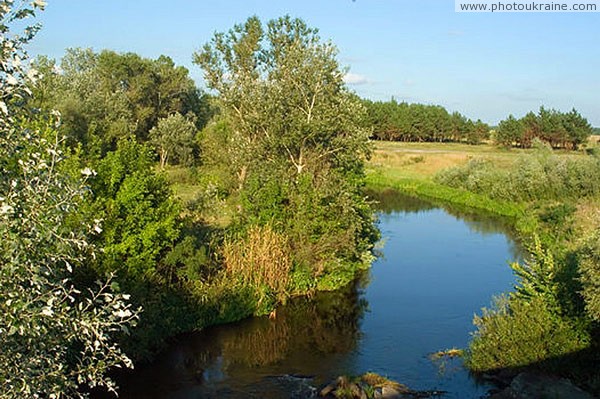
(424, 160)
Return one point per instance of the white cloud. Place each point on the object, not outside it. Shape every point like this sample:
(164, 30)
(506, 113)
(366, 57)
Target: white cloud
(355, 79)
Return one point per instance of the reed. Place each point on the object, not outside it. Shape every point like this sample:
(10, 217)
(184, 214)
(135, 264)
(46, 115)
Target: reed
(260, 259)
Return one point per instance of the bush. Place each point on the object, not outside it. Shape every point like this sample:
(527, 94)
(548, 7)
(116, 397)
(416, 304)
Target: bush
(140, 220)
(518, 332)
(539, 176)
(590, 271)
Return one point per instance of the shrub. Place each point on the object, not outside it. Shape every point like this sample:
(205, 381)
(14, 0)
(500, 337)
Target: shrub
(590, 271)
(538, 176)
(518, 332)
(139, 217)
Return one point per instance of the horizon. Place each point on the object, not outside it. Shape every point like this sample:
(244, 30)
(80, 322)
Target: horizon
(485, 66)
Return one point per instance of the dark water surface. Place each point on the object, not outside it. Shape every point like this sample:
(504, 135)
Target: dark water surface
(437, 270)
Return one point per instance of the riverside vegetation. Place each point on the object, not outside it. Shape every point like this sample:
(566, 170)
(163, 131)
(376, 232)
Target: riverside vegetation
(267, 203)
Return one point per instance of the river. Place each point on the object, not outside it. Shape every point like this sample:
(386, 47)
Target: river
(437, 269)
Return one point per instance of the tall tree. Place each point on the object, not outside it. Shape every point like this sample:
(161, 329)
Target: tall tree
(105, 97)
(297, 140)
(509, 131)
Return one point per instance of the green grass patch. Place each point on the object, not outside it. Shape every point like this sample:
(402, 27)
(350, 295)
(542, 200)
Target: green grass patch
(424, 188)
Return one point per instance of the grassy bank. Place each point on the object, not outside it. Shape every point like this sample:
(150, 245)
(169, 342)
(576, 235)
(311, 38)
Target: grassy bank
(411, 167)
(556, 219)
(426, 188)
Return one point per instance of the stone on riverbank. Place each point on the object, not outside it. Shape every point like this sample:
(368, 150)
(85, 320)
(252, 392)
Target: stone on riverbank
(538, 386)
(371, 386)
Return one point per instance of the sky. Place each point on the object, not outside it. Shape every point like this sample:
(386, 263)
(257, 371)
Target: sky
(483, 65)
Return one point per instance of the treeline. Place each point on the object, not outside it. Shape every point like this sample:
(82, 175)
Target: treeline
(395, 121)
(559, 129)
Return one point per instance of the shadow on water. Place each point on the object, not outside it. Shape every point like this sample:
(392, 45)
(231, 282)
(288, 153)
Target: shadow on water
(257, 357)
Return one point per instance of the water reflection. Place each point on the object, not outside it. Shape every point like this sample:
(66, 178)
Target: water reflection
(307, 338)
(440, 267)
(389, 202)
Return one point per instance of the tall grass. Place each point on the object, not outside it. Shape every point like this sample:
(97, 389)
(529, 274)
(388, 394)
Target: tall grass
(260, 259)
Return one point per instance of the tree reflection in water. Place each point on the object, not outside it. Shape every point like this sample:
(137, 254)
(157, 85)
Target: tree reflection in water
(390, 201)
(308, 337)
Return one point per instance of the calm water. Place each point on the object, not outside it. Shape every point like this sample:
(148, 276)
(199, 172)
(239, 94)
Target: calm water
(437, 270)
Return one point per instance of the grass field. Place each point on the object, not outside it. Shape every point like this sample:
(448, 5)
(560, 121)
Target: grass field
(424, 160)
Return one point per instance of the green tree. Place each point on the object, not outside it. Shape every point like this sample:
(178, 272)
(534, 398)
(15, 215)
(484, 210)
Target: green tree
(577, 127)
(174, 138)
(140, 220)
(477, 132)
(297, 141)
(558, 129)
(105, 97)
(509, 131)
(395, 121)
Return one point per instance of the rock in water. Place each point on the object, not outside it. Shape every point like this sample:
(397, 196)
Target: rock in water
(390, 393)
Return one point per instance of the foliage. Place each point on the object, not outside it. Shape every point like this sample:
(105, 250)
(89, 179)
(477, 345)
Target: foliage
(556, 282)
(288, 144)
(590, 270)
(509, 130)
(220, 157)
(537, 176)
(539, 323)
(418, 122)
(559, 129)
(106, 97)
(173, 137)
(15, 33)
(140, 220)
(518, 333)
(55, 336)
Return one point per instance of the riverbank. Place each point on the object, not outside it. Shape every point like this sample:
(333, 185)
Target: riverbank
(395, 166)
(559, 231)
(415, 300)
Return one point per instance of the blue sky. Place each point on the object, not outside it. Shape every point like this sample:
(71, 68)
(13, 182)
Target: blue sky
(482, 65)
